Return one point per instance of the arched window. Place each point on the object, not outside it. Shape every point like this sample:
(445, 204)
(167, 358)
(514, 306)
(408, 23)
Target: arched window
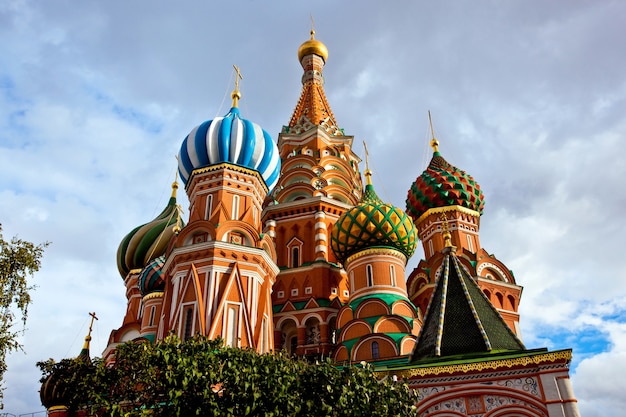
(511, 301)
(370, 275)
(294, 252)
(500, 299)
(375, 351)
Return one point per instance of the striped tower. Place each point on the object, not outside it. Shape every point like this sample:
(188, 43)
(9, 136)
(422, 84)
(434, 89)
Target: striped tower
(321, 237)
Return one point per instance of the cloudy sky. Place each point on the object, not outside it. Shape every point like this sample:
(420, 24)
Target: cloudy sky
(529, 97)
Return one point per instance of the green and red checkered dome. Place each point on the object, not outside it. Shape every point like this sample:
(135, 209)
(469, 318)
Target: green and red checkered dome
(370, 224)
(441, 185)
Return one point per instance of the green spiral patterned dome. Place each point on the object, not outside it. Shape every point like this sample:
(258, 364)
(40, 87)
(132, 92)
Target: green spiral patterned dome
(441, 185)
(372, 223)
(148, 241)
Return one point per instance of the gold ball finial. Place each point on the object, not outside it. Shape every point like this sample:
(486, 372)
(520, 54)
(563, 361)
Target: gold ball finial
(434, 143)
(313, 46)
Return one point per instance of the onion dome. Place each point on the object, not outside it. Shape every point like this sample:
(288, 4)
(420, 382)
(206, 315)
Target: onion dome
(313, 46)
(372, 223)
(441, 185)
(233, 140)
(54, 391)
(149, 241)
(150, 279)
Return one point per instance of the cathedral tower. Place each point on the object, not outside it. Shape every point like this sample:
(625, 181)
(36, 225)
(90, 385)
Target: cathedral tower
(319, 181)
(221, 266)
(446, 194)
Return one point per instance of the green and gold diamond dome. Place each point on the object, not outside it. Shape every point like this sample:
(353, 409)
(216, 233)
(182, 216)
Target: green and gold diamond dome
(372, 223)
(441, 185)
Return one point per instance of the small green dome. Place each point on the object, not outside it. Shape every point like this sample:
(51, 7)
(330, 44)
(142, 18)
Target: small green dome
(373, 223)
(149, 241)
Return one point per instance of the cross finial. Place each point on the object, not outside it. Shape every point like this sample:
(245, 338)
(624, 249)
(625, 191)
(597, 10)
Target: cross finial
(367, 173)
(88, 337)
(312, 27)
(236, 95)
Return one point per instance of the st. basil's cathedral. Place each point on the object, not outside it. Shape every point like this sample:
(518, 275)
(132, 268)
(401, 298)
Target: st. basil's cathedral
(285, 248)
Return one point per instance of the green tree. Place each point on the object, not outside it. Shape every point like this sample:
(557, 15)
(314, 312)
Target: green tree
(202, 377)
(19, 259)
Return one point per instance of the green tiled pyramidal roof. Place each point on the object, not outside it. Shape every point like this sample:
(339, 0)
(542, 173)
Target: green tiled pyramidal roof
(460, 319)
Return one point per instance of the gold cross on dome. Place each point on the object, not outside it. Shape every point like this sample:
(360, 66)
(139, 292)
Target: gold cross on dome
(236, 95)
(238, 77)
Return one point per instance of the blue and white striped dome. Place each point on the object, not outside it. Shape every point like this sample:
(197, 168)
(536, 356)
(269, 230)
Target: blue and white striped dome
(230, 139)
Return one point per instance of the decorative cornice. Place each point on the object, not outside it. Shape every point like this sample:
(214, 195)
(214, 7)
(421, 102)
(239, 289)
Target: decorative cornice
(57, 408)
(446, 209)
(226, 165)
(156, 294)
(538, 359)
(377, 251)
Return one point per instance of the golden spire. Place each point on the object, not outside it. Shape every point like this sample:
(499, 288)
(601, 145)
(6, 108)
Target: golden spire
(236, 95)
(177, 227)
(447, 237)
(368, 172)
(434, 143)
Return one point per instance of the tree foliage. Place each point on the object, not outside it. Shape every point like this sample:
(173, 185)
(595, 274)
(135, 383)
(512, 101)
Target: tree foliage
(19, 259)
(202, 377)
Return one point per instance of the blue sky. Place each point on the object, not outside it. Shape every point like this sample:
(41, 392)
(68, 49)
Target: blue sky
(528, 97)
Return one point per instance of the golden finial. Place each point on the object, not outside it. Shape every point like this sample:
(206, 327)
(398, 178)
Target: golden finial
(236, 95)
(175, 186)
(367, 173)
(434, 143)
(447, 237)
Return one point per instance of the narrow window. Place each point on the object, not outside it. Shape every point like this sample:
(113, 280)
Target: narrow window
(392, 272)
(375, 351)
(231, 327)
(295, 257)
(188, 323)
(370, 276)
(470, 246)
(152, 312)
(235, 210)
(209, 207)
(431, 251)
